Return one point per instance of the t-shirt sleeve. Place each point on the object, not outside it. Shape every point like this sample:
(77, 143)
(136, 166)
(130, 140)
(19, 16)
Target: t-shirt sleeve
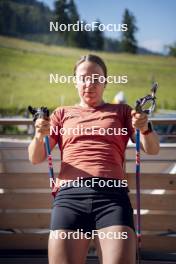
(55, 125)
(128, 121)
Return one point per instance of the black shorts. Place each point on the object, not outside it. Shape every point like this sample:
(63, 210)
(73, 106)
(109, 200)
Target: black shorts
(91, 208)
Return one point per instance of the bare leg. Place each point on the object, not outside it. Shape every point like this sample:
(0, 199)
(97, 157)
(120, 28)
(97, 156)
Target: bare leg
(117, 251)
(67, 250)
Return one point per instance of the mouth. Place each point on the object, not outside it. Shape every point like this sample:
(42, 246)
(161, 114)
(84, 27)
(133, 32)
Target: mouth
(89, 94)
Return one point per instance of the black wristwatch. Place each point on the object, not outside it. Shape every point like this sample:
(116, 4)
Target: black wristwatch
(149, 130)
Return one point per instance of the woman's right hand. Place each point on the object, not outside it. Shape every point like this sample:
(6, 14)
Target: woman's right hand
(42, 128)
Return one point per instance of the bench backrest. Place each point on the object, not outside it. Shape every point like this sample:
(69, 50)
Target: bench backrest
(25, 201)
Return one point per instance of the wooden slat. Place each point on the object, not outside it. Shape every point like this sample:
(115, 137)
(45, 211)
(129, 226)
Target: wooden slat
(155, 201)
(41, 180)
(24, 220)
(153, 222)
(41, 220)
(25, 201)
(153, 243)
(43, 200)
(147, 167)
(24, 180)
(163, 121)
(153, 181)
(23, 241)
(159, 243)
(16, 121)
(40, 241)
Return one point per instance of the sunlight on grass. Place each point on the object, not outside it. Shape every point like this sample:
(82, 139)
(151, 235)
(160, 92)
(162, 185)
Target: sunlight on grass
(25, 68)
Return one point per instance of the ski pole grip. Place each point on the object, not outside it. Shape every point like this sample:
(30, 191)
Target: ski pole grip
(39, 112)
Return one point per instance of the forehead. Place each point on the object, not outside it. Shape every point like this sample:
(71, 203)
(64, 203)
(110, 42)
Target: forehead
(88, 67)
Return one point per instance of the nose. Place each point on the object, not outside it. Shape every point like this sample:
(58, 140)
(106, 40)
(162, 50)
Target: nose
(88, 83)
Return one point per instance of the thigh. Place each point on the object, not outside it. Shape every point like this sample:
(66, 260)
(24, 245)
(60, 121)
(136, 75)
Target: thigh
(117, 245)
(63, 248)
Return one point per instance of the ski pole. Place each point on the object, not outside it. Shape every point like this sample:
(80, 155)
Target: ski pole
(43, 112)
(138, 222)
(146, 105)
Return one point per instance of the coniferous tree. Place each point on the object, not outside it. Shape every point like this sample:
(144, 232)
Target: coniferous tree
(97, 38)
(20, 19)
(80, 38)
(66, 13)
(61, 11)
(72, 12)
(172, 49)
(129, 42)
(84, 39)
(73, 16)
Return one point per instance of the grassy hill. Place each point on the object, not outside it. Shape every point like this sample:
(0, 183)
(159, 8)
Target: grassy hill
(25, 68)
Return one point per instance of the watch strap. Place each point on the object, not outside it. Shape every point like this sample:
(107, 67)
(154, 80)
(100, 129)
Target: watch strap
(149, 130)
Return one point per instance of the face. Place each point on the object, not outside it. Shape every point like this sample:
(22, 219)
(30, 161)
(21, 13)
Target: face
(90, 86)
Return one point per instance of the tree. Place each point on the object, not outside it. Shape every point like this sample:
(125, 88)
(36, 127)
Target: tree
(66, 13)
(72, 12)
(97, 38)
(18, 19)
(112, 45)
(61, 11)
(172, 50)
(6, 14)
(73, 16)
(129, 42)
(84, 38)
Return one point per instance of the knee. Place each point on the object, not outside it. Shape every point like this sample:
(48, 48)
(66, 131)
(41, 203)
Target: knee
(56, 254)
(114, 258)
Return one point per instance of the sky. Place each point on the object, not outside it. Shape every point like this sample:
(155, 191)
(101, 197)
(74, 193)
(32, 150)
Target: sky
(155, 19)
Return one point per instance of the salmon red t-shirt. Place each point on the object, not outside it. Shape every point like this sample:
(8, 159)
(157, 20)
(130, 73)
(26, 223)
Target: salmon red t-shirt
(92, 141)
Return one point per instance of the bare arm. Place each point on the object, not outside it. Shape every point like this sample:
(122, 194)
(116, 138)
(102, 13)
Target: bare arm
(149, 142)
(36, 149)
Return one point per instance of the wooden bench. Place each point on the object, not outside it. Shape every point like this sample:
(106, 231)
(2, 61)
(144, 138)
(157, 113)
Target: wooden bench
(25, 203)
(25, 199)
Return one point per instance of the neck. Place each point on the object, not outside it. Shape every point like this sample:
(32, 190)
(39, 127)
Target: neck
(83, 104)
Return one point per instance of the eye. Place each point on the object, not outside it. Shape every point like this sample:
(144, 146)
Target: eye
(96, 79)
(81, 79)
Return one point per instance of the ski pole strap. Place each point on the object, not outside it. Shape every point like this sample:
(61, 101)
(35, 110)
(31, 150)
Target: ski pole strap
(39, 112)
(147, 103)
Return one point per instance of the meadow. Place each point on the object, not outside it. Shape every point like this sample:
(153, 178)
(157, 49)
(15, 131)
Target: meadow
(25, 68)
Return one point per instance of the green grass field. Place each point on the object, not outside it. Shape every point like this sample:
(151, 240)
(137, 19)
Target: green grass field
(25, 68)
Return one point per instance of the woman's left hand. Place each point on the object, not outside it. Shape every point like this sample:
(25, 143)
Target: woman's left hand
(139, 120)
